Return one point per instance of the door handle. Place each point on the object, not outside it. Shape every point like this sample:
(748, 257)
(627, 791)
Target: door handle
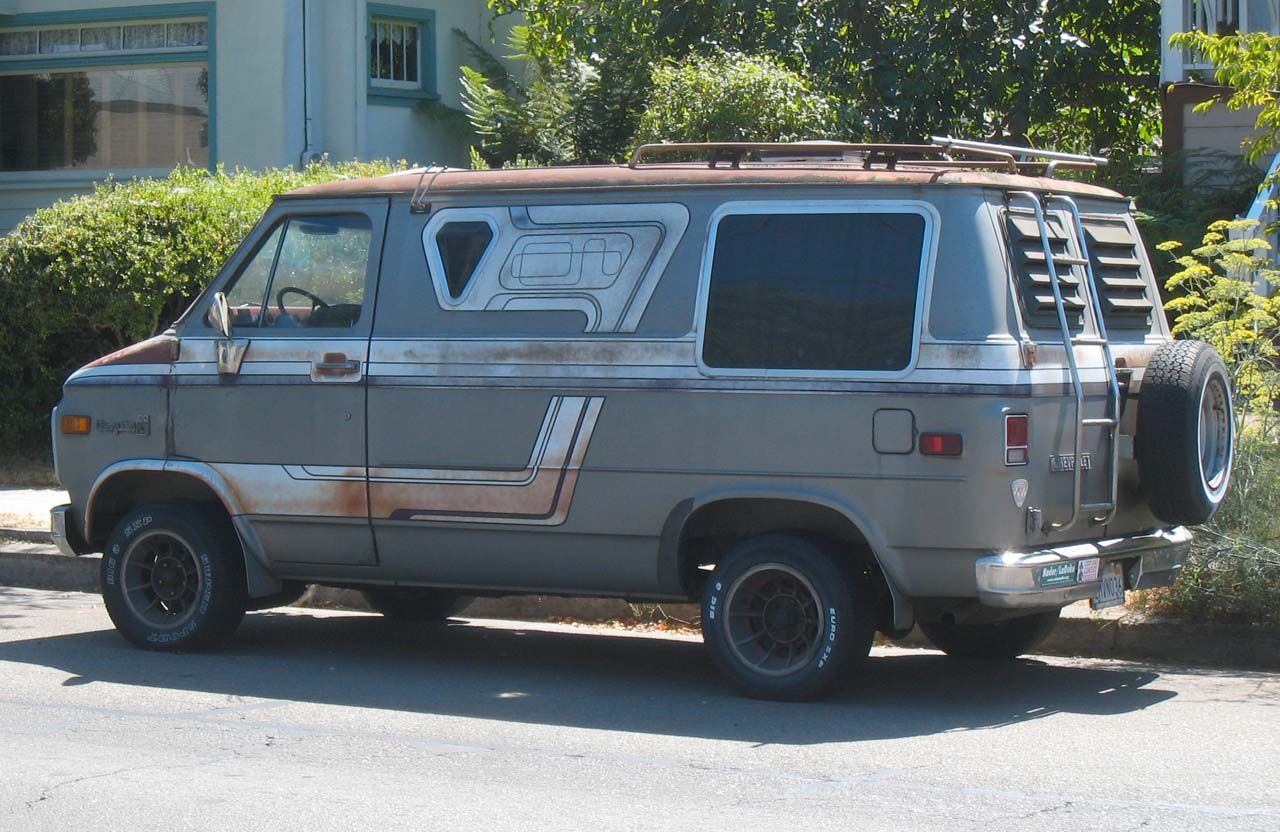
(337, 364)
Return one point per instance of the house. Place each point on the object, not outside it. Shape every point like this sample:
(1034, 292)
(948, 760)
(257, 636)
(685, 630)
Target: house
(1186, 82)
(91, 88)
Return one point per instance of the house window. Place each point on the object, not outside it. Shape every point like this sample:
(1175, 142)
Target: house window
(393, 53)
(401, 54)
(117, 94)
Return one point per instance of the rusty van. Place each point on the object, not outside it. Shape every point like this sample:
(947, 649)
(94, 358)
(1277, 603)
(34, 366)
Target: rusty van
(825, 389)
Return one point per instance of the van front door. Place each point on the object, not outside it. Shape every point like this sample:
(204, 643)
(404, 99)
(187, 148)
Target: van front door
(286, 428)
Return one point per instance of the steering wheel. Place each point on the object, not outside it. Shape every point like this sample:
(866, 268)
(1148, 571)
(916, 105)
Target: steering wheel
(317, 303)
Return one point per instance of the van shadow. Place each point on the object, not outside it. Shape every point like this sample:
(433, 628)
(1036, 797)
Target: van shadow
(586, 680)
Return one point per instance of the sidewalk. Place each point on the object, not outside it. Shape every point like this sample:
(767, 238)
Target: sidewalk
(28, 508)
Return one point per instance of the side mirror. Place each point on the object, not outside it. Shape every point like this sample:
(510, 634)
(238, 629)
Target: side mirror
(220, 315)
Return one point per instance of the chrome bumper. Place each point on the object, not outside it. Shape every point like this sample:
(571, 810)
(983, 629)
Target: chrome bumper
(1054, 577)
(64, 533)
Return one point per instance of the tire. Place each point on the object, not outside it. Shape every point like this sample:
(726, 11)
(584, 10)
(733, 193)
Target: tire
(1185, 434)
(996, 641)
(779, 591)
(422, 605)
(173, 577)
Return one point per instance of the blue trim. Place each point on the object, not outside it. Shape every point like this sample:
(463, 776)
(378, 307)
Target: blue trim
(78, 62)
(116, 13)
(206, 54)
(426, 56)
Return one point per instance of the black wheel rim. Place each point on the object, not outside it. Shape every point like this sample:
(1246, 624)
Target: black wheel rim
(162, 580)
(774, 620)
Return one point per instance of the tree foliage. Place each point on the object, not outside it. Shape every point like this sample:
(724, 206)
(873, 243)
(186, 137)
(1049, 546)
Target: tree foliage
(1250, 65)
(1075, 74)
(729, 96)
(92, 274)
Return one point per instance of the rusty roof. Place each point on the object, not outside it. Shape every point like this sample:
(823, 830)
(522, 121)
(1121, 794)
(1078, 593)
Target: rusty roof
(687, 175)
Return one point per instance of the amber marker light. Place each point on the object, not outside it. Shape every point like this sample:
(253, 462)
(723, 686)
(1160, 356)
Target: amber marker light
(76, 424)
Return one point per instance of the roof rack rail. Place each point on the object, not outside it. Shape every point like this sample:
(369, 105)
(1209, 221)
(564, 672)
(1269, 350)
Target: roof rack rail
(1014, 150)
(939, 153)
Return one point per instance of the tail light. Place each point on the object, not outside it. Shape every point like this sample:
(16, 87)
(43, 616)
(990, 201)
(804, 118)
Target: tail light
(1017, 433)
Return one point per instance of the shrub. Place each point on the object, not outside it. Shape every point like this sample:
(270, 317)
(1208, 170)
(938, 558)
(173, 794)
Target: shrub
(98, 272)
(730, 96)
(1233, 574)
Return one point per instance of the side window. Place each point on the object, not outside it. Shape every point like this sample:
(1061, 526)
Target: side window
(462, 246)
(814, 291)
(246, 297)
(309, 273)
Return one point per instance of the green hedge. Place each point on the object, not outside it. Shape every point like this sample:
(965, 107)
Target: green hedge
(98, 272)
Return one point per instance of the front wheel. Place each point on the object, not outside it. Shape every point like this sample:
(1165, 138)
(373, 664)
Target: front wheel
(173, 577)
(992, 640)
(783, 619)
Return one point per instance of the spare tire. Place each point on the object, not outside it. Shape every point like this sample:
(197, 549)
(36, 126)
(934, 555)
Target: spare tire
(1186, 433)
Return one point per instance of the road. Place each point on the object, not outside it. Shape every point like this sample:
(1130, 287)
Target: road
(327, 720)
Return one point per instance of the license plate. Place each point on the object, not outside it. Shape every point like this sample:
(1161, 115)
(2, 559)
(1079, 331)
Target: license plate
(1111, 593)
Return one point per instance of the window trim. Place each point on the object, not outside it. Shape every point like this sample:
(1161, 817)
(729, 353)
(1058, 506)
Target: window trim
(163, 12)
(928, 254)
(403, 93)
(435, 264)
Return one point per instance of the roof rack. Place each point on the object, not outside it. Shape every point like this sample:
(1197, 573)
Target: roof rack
(938, 153)
(418, 202)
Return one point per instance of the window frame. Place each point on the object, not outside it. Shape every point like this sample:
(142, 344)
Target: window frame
(435, 263)
(924, 283)
(403, 93)
(122, 59)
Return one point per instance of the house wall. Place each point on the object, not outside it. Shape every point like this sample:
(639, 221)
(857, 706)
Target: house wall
(257, 58)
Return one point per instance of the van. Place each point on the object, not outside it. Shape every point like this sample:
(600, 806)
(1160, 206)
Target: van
(823, 389)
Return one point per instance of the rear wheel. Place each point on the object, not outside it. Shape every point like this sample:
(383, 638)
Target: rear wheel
(173, 577)
(419, 604)
(993, 640)
(783, 619)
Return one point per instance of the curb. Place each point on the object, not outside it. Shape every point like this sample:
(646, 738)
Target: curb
(26, 535)
(1078, 634)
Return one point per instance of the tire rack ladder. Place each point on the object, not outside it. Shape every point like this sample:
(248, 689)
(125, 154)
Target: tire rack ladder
(1111, 422)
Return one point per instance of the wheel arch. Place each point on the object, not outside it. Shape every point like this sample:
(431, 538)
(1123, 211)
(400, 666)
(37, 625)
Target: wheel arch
(700, 528)
(129, 483)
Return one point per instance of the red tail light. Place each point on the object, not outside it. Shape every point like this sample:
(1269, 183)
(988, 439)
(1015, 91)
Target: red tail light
(1017, 435)
(941, 444)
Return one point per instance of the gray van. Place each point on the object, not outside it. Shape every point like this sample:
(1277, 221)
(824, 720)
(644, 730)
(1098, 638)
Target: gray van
(826, 389)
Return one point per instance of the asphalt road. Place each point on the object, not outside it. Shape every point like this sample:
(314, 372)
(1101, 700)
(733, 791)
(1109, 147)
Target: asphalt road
(320, 720)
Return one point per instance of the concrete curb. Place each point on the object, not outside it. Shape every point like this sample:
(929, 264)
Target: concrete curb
(26, 535)
(1130, 637)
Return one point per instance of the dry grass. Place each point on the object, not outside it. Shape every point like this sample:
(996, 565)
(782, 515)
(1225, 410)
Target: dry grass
(27, 471)
(11, 520)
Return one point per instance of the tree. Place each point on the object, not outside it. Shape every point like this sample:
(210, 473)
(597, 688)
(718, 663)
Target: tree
(732, 97)
(1079, 74)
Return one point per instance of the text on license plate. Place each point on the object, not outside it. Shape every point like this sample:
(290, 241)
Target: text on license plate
(1111, 592)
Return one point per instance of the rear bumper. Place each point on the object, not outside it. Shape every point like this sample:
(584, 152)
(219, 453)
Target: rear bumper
(1055, 576)
(65, 533)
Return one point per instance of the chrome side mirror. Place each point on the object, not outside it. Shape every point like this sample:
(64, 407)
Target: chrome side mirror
(220, 315)
(230, 351)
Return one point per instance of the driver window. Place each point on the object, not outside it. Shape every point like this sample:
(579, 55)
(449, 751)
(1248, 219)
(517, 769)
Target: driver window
(309, 273)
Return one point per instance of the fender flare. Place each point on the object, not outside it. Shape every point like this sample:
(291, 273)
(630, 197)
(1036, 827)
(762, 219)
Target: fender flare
(889, 562)
(261, 582)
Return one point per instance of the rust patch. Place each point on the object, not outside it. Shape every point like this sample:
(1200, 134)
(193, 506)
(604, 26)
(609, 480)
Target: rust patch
(162, 349)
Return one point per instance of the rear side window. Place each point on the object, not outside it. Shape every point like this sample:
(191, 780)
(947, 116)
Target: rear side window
(814, 291)
(462, 246)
